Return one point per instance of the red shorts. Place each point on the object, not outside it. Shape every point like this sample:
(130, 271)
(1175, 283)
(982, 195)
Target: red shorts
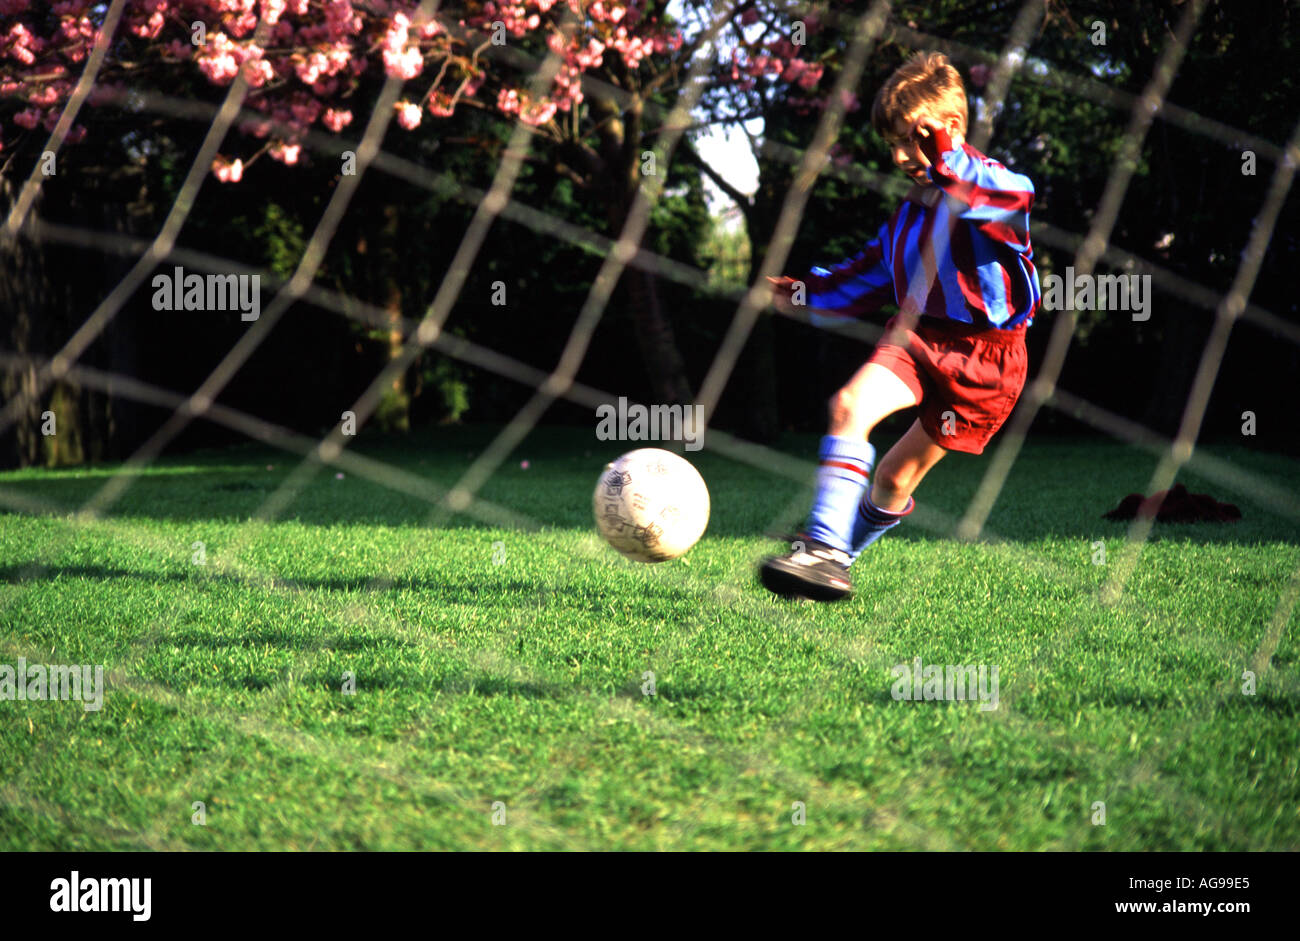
(967, 379)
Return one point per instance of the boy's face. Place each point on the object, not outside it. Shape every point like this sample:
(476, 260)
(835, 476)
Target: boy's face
(905, 149)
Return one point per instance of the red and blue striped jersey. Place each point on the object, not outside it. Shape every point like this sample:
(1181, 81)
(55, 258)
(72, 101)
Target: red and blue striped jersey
(966, 256)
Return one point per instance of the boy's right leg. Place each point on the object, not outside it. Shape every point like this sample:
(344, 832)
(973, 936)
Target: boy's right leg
(845, 458)
(819, 567)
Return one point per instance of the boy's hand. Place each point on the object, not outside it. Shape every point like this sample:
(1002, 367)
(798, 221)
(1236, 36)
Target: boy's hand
(782, 291)
(931, 136)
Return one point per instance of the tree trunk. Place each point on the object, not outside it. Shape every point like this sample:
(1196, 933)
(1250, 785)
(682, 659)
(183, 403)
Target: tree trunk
(394, 410)
(654, 336)
(24, 299)
(620, 148)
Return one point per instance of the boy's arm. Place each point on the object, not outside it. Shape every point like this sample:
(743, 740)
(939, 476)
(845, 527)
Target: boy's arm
(851, 289)
(996, 200)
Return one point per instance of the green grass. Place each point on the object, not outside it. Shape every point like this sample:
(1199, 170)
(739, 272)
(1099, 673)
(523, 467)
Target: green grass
(506, 664)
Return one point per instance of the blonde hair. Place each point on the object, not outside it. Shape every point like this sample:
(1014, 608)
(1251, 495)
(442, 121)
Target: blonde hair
(925, 81)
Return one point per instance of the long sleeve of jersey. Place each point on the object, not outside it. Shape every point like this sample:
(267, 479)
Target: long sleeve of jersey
(993, 198)
(853, 288)
(966, 256)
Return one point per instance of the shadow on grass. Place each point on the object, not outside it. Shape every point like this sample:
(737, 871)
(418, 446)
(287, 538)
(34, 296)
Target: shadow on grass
(460, 684)
(1060, 706)
(1058, 488)
(510, 595)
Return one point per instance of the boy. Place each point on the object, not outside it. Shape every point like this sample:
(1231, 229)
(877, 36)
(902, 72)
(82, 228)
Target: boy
(956, 258)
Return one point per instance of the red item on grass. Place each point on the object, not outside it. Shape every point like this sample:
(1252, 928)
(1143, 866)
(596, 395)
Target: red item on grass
(1175, 506)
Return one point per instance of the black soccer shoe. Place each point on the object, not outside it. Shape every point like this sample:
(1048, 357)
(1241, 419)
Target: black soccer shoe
(812, 570)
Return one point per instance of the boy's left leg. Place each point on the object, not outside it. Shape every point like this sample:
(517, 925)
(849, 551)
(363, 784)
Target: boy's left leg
(897, 476)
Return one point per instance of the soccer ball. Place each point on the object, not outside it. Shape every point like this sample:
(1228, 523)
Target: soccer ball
(651, 505)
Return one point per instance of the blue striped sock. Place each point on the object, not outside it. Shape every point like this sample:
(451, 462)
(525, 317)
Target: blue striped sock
(843, 474)
(871, 522)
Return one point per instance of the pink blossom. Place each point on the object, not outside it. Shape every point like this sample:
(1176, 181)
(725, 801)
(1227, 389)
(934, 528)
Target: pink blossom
(408, 115)
(341, 20)
(396, 36)
(317, 51)
(336, 120)
(258, 72)
(811, 75)
(538, 113)
(23, 46)
(272, 10)
(243, 25)
(591, 55)
(309, 69)
(150, 28)
(286, 153)
(405, 64)
(74, 30)
(218, 60)
(337, 58)
(440, 105)
(228, 171)
(45, 97)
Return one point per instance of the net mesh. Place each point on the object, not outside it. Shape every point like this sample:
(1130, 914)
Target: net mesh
(619, 252)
